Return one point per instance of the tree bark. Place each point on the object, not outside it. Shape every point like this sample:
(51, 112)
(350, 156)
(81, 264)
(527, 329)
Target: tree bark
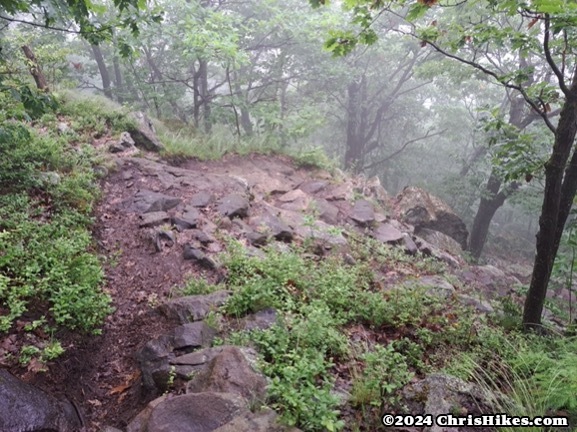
(491, 201)
(35, 69)
(355, 130)
(559, 191)
(104, 75)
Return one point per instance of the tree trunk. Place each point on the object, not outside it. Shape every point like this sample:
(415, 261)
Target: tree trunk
(104, 75)
(35, 69)
(355, 131)
(204, 94)
(558, 196)
(490, 203)
(118, 80)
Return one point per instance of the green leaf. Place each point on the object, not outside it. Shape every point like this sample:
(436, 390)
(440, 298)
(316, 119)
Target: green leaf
(416, 11)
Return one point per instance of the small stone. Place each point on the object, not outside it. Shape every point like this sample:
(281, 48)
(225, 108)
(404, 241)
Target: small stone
(193, 335)
(201, 199)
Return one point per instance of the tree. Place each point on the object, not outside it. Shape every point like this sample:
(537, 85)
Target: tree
(546, 28)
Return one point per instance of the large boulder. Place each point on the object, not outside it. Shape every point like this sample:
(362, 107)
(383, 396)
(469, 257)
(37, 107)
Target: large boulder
(144, 134)
(193, 412)
(25, 408)
(423, 210)
(230, 372)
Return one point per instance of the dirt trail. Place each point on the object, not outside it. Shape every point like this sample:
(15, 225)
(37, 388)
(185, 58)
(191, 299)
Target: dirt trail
(99, 373)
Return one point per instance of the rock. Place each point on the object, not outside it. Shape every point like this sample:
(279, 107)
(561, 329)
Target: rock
(386, 233)
(234, 205)
(187, 219)
(197, 358)
(257, 239)
(489, 280)
(272, 225)
(62, 128)
(201, 236)
(149, 220)
(201, 199)
(126, 140)
(260, 320)
(109, 429)
(342, 192)
(363, 213)
(440, 240)
(443, 394)
(146, 201)
(482, 306)
(193, 308)
(192, 253)
(410, 246)
(424, 210)
(435, 286)
(262, 421)
(153, 360)
(313, 186)
(116, 148)
(429, 250)
(193, 412)
(163, 236)
(295, 194)
(372, 188)
(24, 407)
(49, 178)
(326, 211)
(230, 372)
(143, 133)
(193, 335)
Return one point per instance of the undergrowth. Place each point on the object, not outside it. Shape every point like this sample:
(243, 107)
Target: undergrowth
(50, 278)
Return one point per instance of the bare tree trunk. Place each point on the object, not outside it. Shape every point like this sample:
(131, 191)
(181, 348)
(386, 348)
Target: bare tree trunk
(491, 201)
(104, 75)
(560, 188)
(35, 69)
(355, 131)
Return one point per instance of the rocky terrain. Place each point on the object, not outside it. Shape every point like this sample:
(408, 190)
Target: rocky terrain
(160, 225)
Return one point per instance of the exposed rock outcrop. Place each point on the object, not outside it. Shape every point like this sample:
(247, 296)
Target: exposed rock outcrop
(423, 210)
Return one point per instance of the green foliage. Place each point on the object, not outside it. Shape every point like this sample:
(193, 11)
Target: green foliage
(385, 372)
(47, 268)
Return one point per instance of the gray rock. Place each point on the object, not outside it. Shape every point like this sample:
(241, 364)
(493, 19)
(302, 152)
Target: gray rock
(193, 308)
(126, 140)
(326, 211)
(234, 205)
(148, 220)
(163, 237)
(62, 127)
(442, 394)
(49, 178)
(192, 253)
(256, 238)
(230, 372)
(24, 407)
(201, 236)
(201, 199)
(435, 285)
(363, 213)
(197, 358)
(143, 133)
(410, 246)
(262, 421)
(386, 233)
(146, 201)
(193, 412)
(489, 280)
(423, 210)
(116, 148)
(273, 225)
(260, 320)
(440, 240)
(188, 219)
(313, 186)
(109, 429)
(482, 306)
(153, 360)
(193, 335)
